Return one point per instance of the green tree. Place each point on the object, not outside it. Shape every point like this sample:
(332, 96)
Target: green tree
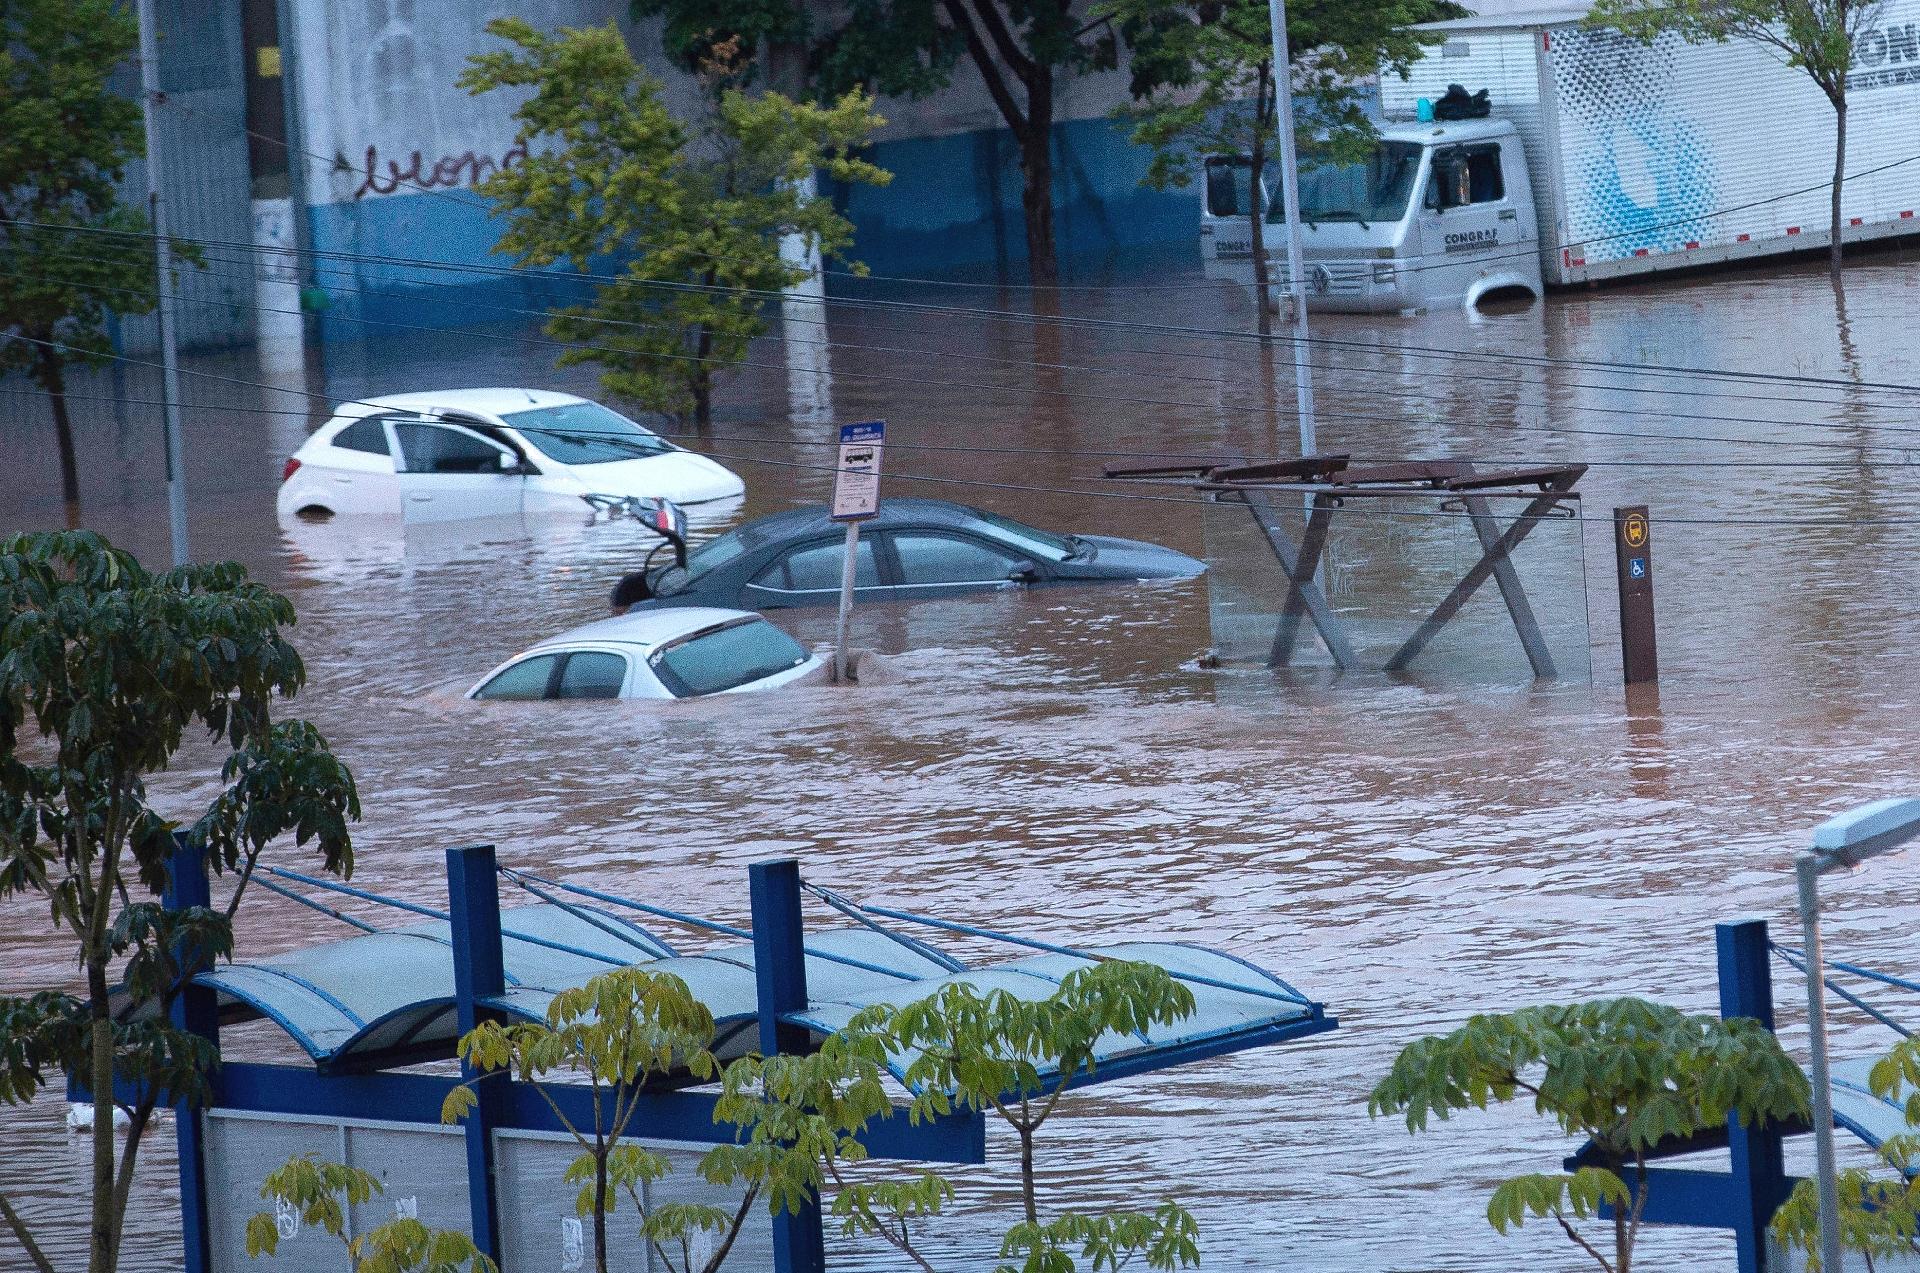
(1202, 80)
(1017, 1058)
(1879, 1212)
(1625, 1074)
(696, 215)
(1022, 50)
(65, 139)
(798, 1117)
(104, 669)
(317, 1195)
(1818, 36)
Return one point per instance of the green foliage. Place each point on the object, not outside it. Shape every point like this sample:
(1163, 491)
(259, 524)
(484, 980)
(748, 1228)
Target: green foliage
(1545, 1195)
(618, 1031)
(1166, 1238)
(104, 669)
(1017, 1057)
(1879, 1214)
(911, 48)
(65, 139)
(1625, 1074)
(1201, 74)
(1815, 35)
(321, 1194)
(695, 215)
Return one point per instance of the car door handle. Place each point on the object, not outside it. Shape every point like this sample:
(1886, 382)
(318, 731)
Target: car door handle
(1510, 214)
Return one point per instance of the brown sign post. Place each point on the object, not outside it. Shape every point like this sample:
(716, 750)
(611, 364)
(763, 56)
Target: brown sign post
(1633, 556)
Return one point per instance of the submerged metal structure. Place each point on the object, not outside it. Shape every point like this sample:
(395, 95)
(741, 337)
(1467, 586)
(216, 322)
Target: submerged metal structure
(1319, 488)
(369, 1006)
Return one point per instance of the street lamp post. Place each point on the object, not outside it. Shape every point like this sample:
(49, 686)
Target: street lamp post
(1839, 843)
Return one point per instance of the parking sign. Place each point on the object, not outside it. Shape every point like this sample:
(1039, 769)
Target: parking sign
(856, 479)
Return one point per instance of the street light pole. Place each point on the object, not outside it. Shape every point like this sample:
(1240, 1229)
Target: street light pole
(163, 271)
(1290, 206)
(1838, 843)
(1807, 868)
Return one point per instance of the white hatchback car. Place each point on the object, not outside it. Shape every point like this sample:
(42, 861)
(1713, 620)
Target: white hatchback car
(487, 453)
(655, 654)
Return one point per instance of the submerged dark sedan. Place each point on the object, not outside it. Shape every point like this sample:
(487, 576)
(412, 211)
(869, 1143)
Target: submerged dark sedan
(914, 550)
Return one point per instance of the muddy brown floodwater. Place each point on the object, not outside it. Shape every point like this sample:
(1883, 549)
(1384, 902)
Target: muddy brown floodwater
(1057, 763)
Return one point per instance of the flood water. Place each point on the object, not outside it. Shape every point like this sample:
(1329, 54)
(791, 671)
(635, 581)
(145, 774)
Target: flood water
(1059, 763)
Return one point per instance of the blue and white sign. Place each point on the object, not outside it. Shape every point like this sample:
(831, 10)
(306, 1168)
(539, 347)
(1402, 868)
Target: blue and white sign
(856, 478)
(1636, 567)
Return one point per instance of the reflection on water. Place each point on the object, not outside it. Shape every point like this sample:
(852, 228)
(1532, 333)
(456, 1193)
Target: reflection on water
(1059, 762)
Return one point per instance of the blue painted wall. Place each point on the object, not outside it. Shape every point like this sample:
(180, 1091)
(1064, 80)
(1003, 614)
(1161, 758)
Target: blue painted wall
(953, 209)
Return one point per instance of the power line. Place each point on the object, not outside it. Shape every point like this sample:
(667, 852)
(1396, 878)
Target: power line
(987, 484)
(1347, 368)
(1030, 390)
(1068, 322)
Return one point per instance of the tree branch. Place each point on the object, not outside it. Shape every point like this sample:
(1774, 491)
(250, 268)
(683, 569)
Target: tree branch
(1583, 1243)
(123, 1186)
(989, 69)
(739, 1219)
(1009, 49)
(41, 1263)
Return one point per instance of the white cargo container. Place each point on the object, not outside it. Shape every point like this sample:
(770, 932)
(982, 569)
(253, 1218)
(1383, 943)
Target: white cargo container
(1605, 158)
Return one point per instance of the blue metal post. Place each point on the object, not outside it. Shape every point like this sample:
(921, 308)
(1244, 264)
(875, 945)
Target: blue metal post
(1759, 1170)
(780, 975)
(479, 972)
(196, 1009)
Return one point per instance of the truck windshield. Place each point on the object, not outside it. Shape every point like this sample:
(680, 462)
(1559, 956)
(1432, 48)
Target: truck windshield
(1377, 188)
(1374, 189)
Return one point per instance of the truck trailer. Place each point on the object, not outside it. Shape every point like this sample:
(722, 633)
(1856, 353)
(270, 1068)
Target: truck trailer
(1603, 157)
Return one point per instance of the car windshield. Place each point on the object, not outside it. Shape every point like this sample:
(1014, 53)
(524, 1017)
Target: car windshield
(725, 658)
(585, 433)
(701, 558)
(1374, 189)
(1043, 543)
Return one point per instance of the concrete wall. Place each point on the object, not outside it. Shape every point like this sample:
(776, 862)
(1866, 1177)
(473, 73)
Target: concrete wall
(375, 84)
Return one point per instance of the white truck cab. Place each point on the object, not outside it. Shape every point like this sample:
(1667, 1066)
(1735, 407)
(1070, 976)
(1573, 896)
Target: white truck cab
(1441, 215)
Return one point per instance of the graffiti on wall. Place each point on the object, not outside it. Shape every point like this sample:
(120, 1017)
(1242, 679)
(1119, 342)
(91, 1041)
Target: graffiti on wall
(467, 168)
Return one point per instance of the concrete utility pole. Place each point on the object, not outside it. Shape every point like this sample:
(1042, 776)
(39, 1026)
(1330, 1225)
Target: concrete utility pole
(1290, 200)
(163, 270)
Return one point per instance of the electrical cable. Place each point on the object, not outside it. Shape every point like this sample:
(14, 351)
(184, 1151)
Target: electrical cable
(1069, 322)
(1029, 390)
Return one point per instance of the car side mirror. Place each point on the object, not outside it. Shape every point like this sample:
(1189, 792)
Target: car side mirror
(1023, 573)
(509, 463)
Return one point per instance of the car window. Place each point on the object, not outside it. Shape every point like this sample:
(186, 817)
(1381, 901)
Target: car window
(723, 658)
(949, 559)
(436, 448)
(818, 568)
(526, 679)
(364, 434)
(586, 433)
(1025, 538)
(592, 674)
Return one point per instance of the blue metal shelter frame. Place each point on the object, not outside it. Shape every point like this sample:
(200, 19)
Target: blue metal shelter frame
(481, 984)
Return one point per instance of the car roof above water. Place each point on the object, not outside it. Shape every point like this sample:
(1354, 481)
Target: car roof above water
(499, 401)
(645, 628)
(893, 512)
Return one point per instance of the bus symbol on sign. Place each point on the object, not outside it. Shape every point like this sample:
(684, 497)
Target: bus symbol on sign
(1634, 531)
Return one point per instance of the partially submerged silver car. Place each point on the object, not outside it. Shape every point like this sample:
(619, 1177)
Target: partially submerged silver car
(659, 654)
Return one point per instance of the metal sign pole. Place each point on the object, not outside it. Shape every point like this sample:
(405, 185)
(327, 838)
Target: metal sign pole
(846, 604)
(163, 272)
(856, 497)
(1290, 206)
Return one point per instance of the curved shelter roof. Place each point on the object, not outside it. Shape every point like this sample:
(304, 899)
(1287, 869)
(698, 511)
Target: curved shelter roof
(386, 998)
